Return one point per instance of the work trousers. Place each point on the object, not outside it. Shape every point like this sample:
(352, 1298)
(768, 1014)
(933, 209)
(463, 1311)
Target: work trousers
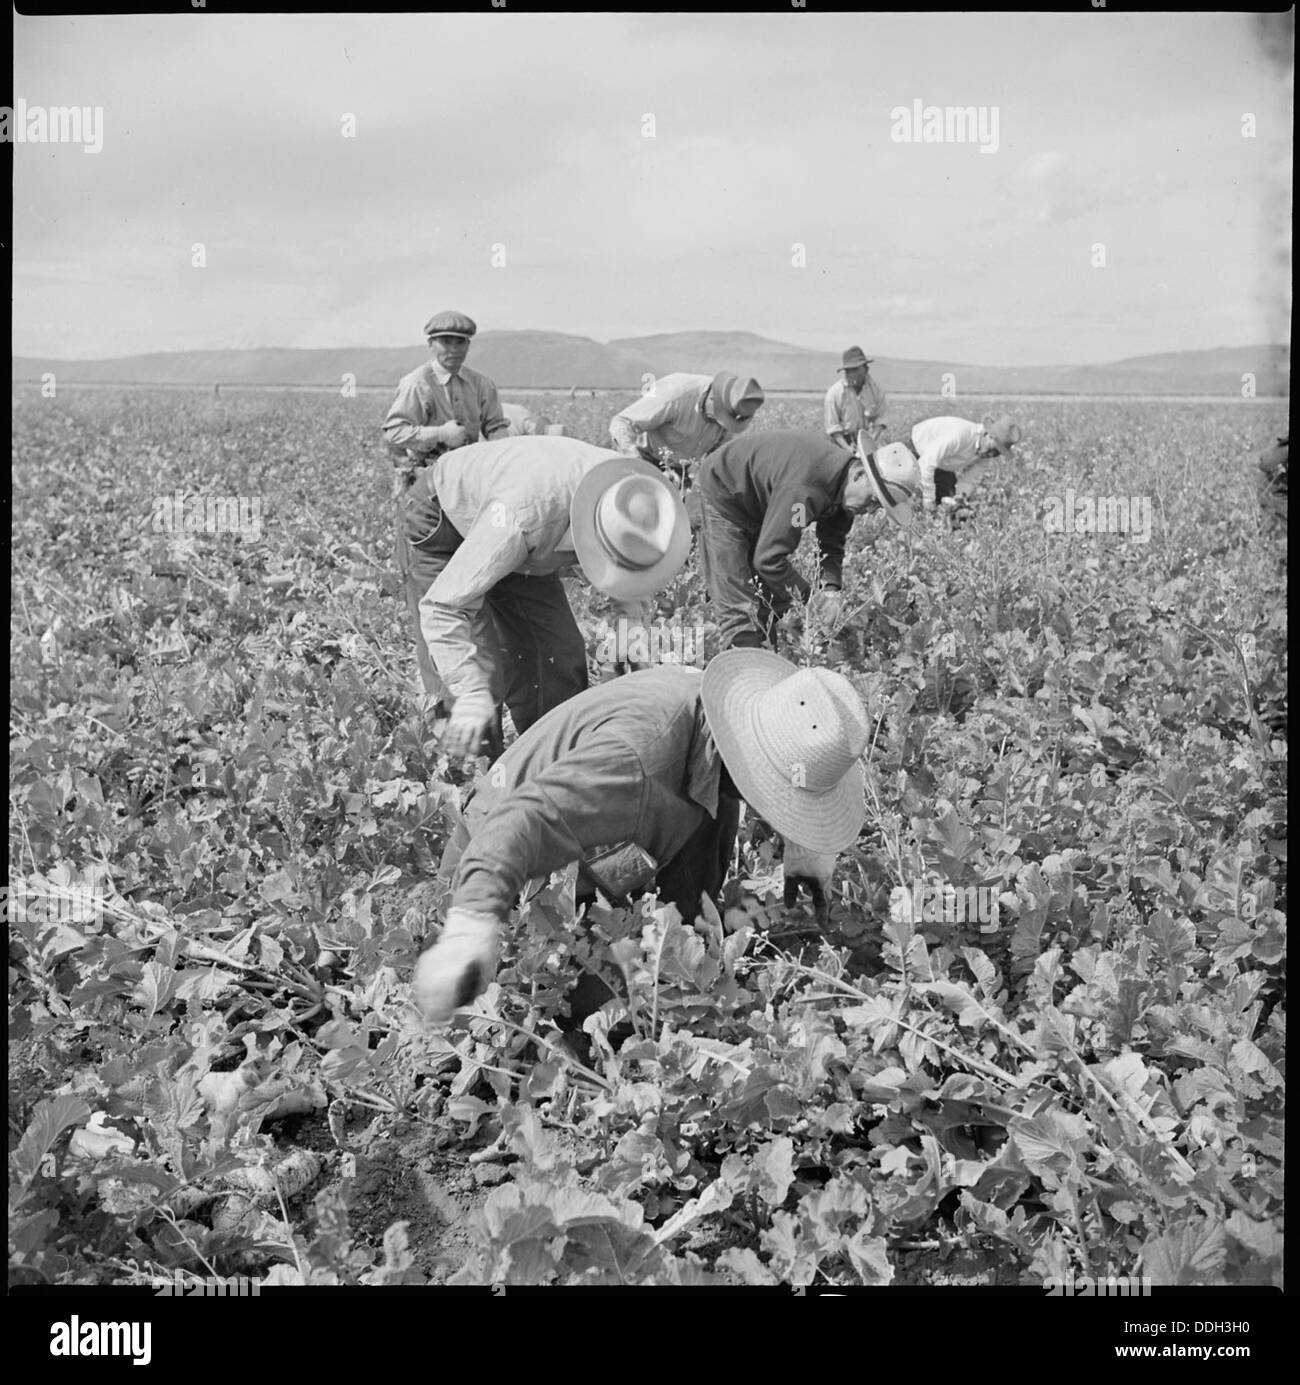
(744, 606)
(524, 626)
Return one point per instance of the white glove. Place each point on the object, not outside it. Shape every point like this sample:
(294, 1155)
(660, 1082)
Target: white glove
(470, 718)
(452, 434)
(813, 870)
(458, 967)
(826, 607)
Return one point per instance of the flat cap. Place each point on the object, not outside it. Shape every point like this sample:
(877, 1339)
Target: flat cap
(450, 324)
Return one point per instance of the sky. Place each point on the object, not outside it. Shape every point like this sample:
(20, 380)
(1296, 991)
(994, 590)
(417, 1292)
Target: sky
(774, 195)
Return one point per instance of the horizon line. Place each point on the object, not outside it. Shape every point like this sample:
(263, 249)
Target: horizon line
(544, 331)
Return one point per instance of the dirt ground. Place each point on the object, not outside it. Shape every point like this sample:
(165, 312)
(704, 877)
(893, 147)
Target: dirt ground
(412, 1172)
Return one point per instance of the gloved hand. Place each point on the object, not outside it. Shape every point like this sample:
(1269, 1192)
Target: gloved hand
(452, 434)
(471, 715)
(812, 870)
(826, 606)
(458, 967)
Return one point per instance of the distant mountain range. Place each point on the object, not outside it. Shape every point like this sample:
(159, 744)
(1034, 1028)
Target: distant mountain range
(556, 360)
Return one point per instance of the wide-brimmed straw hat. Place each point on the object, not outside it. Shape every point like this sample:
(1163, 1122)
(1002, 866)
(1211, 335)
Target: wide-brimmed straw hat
(734, 403)
(790, 738)
(1003, 432)
(630, 528)
(894, 477)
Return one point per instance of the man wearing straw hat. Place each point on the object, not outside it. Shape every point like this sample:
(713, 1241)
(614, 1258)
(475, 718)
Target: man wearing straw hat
(854, 403)
(759, 495)
(685, 417)
(526, 424)
(941, 465)
(640, 781)
(494, 616)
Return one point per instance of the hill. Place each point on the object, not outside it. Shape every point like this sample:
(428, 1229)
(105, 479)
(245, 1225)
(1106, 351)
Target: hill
(558, 360)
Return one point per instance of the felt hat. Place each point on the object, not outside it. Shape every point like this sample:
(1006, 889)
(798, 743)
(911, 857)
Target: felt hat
(1003, 432)
(895, 478)
(630, 528)
(734, 403)
(854, 357)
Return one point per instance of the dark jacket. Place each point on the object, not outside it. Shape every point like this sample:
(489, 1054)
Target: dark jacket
(623, 777)
(776, 485)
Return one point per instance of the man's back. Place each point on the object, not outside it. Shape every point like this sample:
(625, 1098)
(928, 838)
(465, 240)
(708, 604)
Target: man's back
(744, 475)
(521, 483)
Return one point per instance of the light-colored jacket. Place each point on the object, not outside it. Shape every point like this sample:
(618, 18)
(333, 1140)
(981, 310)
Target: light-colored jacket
(670, 421)
(523, 422)
(510, 499)
(422, 403)
(953, 445)
(846, 411)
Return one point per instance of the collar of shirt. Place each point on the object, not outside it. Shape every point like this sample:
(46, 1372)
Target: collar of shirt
(441, 375)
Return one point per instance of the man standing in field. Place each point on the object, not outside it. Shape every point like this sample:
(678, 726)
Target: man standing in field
(854, 403)
(759, 494)
(440, 406)
(945, 458)
(640, 781)
(526, 424)
(494, 614)
(683, 418)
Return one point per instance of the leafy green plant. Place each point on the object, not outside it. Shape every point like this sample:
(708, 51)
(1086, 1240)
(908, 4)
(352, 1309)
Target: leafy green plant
(228, 811)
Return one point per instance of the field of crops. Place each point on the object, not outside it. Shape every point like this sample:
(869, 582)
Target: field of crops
(223, 796)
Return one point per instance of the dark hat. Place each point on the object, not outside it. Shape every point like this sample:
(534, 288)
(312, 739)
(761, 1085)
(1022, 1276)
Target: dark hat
(1003, 432)
(735, 404)
(450, 325)
(854, 357)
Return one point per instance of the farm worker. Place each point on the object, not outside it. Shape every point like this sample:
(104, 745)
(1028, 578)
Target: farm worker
(1272, 466)
(493, 611)
(440, 406)
(945, 457)
(854, 403)
(640, 781)
(759, 494)
(524, 423)
(682, 418)
(443, 404)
